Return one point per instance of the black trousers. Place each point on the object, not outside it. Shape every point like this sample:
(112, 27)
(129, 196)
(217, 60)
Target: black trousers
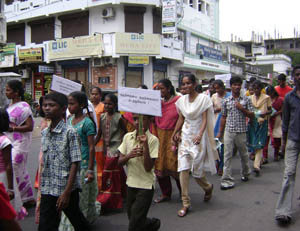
(50, 217)
(138, 205)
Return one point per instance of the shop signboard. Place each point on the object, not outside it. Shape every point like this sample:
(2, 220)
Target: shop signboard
(209, 52)
(7, 55)
(46, 69)
(72, 48)
(138, 61)
(7, 61)
(31, 55)
(135, 43)
(169, 15)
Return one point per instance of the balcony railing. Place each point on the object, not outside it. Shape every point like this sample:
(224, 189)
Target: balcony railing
(36, 8)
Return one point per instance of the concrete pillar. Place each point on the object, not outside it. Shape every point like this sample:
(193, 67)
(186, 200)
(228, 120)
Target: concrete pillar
(148, 20)
(148, 74)
(57, 28)
(27, 35)
(120, 72)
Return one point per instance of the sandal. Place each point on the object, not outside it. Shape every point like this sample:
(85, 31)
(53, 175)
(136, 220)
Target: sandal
(162, 199)
(208, 193)
(183, 212)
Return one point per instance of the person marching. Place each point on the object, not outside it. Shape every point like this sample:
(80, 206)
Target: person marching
(86, 128)
(291, 143)
(166, 163)
(275, 124)
(235, 109)
(138, 152)
(112, 130)
(197, 151)
(96, 95)
(20, 135)
(258, 126)
(60, 181)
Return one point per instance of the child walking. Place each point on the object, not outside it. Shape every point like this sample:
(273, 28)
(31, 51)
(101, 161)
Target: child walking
(139, 152)
(60, 181)
(112, 130)
(86, 129)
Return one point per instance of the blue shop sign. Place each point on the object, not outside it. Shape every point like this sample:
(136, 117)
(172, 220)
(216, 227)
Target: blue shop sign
(208, 52)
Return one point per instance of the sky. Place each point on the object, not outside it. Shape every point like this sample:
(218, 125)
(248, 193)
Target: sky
(241, 17)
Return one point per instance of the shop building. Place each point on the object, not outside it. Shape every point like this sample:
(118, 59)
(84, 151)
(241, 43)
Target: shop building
(114, 43)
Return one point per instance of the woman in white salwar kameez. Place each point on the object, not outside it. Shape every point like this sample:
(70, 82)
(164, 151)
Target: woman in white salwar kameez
(197, 152)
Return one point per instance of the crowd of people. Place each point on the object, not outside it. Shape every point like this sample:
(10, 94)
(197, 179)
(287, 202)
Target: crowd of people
(86, 144)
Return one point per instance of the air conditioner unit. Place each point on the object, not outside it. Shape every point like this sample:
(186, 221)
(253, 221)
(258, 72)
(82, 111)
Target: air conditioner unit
(109, 60)
(107, 12)
(24, 73)
(98, 62)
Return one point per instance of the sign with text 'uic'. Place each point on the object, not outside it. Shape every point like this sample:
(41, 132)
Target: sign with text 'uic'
(64, 86)
(139, 101)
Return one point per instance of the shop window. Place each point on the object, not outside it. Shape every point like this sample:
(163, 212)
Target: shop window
(42, 30)
(157, 23)
(104, 80)
(134, 19)
(182, 37)
(16, 34)
(70, 24)
(200, 6)
(9, 2)
(207, 9)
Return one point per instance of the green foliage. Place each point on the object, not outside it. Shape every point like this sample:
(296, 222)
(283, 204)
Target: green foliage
(294, 55)
(28, 98)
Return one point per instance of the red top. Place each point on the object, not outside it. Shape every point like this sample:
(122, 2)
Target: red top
(283, 91)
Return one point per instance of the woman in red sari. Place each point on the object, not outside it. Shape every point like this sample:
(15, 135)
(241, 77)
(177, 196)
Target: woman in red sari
(275, 132)
(112, 130)
(166, 163)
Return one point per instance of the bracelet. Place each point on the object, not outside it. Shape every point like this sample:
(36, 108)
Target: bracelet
(90, 171)
(10, 190)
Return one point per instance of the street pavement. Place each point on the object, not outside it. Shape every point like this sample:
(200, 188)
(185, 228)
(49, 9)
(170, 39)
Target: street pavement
(248, 206)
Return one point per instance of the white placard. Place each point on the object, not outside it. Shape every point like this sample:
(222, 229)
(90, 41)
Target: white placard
(140, 101)
(225, 78)
(64, 86)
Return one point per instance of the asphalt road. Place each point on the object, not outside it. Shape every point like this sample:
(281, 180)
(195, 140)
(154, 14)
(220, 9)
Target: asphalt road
(249, 206)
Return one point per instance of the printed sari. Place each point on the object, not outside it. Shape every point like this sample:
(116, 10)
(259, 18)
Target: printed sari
(21, 141)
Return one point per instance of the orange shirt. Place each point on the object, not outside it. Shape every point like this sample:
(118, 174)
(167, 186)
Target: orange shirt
(283, 91)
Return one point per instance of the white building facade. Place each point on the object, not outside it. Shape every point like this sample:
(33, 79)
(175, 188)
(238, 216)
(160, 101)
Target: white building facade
(111, 43)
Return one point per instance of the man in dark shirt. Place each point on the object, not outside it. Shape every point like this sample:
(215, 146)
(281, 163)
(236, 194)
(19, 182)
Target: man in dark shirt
(291, 142)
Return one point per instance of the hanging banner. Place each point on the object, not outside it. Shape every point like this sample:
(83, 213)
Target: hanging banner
(169, 15)
(139, 101)
(78, 47)
(134, 43)
(31, 55)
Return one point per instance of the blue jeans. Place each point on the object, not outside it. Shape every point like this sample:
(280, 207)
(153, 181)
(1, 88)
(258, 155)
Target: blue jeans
(284, 203)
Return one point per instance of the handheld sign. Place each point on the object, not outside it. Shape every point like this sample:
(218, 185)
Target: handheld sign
(139, 101)
(64, 86)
